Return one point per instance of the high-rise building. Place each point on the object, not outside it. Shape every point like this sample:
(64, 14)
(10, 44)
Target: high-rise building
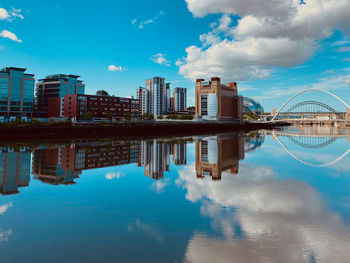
(180, 99)
(216, 101)
(180, 153)
(157, 96)
(14, 169)
(143, 97)
(168, 95)
(16, 94)
(54, 88)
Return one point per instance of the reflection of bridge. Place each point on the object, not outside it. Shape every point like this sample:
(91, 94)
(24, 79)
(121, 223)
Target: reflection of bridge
(311, 111)
(310, 141)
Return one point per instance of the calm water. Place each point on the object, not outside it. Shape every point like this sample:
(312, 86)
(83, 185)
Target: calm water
(280, 196)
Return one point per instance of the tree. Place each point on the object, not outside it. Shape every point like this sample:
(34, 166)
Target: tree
(160, 117)
(109, 116)
(102, 93)
(128, 116)
(88, 116)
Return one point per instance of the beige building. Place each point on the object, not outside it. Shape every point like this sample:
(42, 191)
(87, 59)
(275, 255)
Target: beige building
(217, 101)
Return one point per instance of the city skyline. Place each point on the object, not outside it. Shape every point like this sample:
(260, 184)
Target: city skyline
(106, 45)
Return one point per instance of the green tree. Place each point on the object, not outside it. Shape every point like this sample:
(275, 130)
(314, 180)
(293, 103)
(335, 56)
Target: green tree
(88, 116)
(160, 117)
(109, 116)
(102, 93)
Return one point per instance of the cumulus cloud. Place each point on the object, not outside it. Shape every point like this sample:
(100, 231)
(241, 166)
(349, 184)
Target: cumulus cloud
(11, 14)
(268, 34)
(142, 24)
(115, 68)
(160, 59)
(10, 35)
(273, 215)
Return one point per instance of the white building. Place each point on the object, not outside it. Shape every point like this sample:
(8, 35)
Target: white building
(180, 99)
(143, 97)
(157, 96)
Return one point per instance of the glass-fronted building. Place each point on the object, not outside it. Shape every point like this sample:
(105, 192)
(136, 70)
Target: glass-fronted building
(252, 106)
(55, 86)
(16, 94)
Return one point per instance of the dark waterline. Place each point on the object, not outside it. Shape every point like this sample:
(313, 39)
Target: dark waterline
(264, 196)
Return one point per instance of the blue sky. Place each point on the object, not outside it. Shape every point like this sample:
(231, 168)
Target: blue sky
(116, 45)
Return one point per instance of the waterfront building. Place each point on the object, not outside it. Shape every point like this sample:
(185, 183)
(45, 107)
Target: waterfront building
(14, 169)
(217, 101)
(251, 106)
(168, 95)
(217, 154)
(180, 99)
(51, 91)
(157, 96)
(143, 97)
(16, 94)
(99, 107)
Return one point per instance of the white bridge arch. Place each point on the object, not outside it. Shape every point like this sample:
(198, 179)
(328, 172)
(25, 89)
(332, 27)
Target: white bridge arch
(309, 90)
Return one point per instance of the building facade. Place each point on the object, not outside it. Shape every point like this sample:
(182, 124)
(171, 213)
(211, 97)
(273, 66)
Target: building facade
(180, 99)
(16, 94)
(55, 86)
(99, 107)
(216, 101)
(157, 96)
(143, 97)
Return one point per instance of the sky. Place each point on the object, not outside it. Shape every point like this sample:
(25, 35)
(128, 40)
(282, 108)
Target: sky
(272, 49)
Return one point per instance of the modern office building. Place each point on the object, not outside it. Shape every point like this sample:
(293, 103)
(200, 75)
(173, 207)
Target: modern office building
(55, 87)
(179, 152)
(216, 154)
(157, 96)
(216, 101)
(14, 169)
(180, 99)
(76, 106)
(168, 95)
(16, 94)
(143, 97)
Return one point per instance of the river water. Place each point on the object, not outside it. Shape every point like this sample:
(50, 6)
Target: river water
(265, 196)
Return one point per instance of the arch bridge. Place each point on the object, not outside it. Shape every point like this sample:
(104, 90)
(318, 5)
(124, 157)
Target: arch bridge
(311, 109)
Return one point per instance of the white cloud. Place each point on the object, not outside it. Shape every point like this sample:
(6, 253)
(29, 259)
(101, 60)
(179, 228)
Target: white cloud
(346, 59)
(4, 235)
(4, 14)
(4, 207)
(160, 59)
(114, 68)
(344, 49)
(178, 63)
(112, 176)
(9, 15)
(147, 229)
(142, 24)
(269, 34)
(10, 35)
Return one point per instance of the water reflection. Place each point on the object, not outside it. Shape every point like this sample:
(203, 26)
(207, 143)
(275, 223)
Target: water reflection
(229, 197)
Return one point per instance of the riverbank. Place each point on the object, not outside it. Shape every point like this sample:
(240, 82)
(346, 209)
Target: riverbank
(132, 129)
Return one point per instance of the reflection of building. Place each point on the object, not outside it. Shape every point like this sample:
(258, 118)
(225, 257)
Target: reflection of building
(14, 169)
(16, 94)
(77, 106)
(156, 159)
(217, 154)
(216, 101)
(179, 152)
(63, 165)
(52, 90)
(253, 141)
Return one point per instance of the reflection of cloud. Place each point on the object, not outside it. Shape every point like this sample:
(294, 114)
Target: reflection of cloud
(159, 186)
(280, 220)
(146, 228)
(4, 235)
(111, 175)
(4, 207)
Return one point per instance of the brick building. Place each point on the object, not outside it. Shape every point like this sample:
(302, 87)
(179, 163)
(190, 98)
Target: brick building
(77, 106)
(217, 101)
